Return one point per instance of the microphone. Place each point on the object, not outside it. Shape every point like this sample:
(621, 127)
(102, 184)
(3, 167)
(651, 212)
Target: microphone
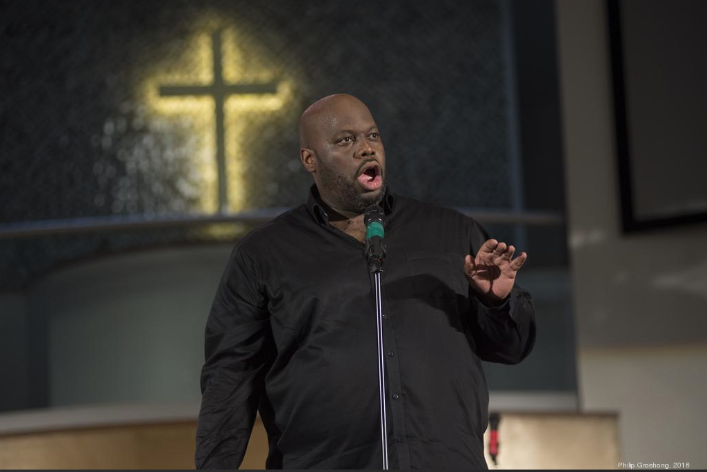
(374, 219)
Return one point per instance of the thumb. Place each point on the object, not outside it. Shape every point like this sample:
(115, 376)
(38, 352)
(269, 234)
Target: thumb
(469, 265)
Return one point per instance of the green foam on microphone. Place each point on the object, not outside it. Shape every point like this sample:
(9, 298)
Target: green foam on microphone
(374, 228)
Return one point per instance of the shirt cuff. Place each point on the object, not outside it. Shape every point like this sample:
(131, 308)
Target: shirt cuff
(502, 311)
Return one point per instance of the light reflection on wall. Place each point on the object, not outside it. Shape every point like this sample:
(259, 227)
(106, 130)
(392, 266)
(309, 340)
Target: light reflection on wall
(194, 67)
(257, 108)
(247, 113)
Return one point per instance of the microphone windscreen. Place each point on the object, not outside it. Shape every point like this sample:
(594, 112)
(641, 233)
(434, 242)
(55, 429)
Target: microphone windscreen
(373, 213)
(374, 219)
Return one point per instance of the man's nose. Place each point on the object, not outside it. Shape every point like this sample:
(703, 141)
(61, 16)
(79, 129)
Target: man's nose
(365, 149)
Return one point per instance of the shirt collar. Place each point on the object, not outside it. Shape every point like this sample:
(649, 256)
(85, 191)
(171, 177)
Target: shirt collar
(316, 209)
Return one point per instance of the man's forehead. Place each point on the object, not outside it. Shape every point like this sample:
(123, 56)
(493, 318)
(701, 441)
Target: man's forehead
(338, 107)
(332, 101)
(347, 114)
(334, 114)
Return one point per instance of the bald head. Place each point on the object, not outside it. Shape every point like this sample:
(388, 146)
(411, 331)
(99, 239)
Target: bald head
(326, 113)
(341, 148)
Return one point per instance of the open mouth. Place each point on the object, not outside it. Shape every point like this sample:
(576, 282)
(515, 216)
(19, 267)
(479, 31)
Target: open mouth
(370, 176)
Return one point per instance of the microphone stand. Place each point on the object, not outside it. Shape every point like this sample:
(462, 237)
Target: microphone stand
(375, 253)
(381, 366)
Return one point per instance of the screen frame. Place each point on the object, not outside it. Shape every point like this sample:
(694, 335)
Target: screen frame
(630, 220)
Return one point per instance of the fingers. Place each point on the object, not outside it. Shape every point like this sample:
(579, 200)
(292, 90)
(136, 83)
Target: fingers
(500, 249)
(500, 253)
(488, 246)
(503, 252)
(519, 261)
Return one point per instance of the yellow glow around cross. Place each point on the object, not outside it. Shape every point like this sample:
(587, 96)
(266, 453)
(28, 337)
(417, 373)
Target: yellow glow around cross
(239, 159)
(195, 66)
(256, 108)
(243, 113)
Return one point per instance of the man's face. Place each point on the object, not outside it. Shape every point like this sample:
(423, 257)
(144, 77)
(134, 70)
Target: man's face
(348, 158)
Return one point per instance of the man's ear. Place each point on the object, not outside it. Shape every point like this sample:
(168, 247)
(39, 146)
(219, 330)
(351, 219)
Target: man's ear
(307, 157)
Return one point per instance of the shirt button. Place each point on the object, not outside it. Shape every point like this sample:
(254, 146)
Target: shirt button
(395, 396)
(391, 353)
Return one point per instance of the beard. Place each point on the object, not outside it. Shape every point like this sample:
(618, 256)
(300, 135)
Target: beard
(344, 192)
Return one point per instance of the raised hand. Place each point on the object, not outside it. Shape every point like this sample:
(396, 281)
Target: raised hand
(493, 272)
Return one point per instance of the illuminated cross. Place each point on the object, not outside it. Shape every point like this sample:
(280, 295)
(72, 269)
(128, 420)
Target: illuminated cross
(219, 90)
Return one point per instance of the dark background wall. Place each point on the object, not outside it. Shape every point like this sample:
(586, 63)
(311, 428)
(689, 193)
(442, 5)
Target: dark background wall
(81, 137)
(464, 93)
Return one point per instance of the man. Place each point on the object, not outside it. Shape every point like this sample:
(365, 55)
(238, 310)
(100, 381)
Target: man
(292, 330)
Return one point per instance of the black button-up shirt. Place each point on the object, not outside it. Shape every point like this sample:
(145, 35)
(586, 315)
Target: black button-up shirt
(292, 333)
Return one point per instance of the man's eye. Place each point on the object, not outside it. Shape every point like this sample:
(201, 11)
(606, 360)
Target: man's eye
(374, 135)
(346, 140)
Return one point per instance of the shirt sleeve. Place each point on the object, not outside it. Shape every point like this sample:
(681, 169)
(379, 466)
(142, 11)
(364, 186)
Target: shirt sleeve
(238, 350)
(504, 333)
